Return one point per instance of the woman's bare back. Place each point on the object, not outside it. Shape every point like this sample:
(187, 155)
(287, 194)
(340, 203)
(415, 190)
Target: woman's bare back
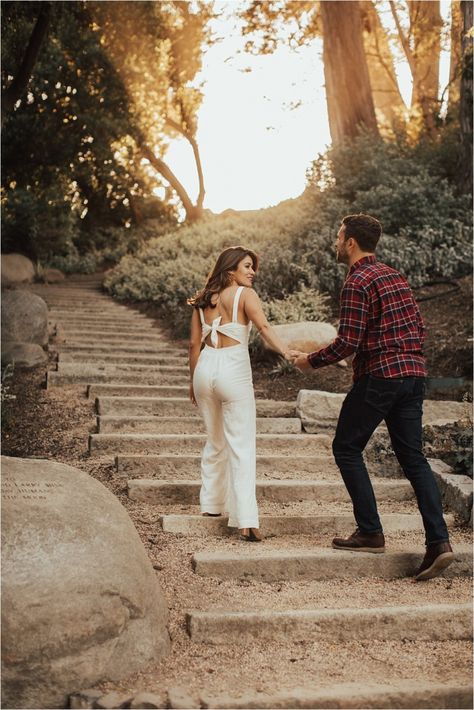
(224, 304)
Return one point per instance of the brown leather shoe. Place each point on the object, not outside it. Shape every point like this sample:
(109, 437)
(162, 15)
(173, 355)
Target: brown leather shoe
(438, 556)
(360, 542)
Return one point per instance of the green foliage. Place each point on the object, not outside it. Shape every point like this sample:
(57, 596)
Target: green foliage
(427, 235)
(6, 396)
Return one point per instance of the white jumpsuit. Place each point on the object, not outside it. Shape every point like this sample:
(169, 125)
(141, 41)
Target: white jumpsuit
(224, 393)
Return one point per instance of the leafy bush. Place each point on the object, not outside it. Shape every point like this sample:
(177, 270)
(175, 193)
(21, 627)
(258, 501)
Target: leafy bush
(427, 229)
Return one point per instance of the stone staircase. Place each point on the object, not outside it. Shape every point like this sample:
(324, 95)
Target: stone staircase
(333, 601)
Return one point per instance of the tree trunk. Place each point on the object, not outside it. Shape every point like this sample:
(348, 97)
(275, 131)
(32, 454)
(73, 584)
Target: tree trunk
(465, 103)
(425, 28)
(197, 158)
(11, 95)
(348, 93)
(455, 60)
(193, 212)
(390, 108)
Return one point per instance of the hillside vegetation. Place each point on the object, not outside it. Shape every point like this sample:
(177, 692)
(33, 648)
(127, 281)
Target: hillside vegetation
(427, 233)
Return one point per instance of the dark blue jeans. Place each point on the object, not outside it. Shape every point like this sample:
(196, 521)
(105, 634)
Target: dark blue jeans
(400, 403)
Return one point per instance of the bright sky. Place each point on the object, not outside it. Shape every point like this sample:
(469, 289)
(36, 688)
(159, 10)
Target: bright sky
(255, 148)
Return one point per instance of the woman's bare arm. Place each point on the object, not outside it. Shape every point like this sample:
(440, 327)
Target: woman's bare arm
(194, 349)
(254, 312)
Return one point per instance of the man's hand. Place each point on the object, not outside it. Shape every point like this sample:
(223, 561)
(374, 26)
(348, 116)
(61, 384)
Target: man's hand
(300, 360)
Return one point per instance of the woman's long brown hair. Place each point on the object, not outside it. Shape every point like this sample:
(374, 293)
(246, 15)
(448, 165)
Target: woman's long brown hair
(219, 277)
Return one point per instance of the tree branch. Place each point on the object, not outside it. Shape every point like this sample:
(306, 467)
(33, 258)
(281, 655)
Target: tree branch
(403, 38)
(197, 158)
(20, 82)
(164, 170)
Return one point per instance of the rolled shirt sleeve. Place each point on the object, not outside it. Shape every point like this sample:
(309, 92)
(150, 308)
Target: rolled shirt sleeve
(352, 326)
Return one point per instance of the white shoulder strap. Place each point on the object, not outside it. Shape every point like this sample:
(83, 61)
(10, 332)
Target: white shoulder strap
(236, 304)
(201, 315)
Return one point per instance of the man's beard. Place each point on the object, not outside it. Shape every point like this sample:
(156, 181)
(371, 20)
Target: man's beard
(341, 257)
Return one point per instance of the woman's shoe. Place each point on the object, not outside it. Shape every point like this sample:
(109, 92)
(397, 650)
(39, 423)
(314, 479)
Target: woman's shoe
(212, 515)
(253, 535)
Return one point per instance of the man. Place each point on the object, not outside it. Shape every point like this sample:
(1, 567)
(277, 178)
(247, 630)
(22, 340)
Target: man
(380, 322)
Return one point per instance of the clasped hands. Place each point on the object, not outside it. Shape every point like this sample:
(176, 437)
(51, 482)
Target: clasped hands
(298, 359)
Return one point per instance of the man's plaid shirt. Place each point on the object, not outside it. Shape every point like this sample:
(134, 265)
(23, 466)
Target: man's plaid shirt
(380, 322)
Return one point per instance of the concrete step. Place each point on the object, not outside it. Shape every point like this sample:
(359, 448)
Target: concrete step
(96, 348)
(113, 338)
(142, 329)
(168, 466)
(103, 316)
(187, 425)
(316, 466)
(193, 443)
(58, 379)
(433, 622)
(117, 358)
(126, 391)
(322, 564)
(279, 525)
(407, 694)
(85, 368)
(184, 491)
(178, 406)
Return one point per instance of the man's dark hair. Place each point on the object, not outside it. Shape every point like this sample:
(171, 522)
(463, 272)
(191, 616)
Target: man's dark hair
(366, 230)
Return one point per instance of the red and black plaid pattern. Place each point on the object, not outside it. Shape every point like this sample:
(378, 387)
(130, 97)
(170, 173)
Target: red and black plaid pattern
(380, 322)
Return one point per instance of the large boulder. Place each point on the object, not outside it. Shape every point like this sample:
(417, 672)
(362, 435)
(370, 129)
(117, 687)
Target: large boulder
(81, 602)
(24, 355)
(52, 276)
(306, 336)
(319, 410)
(16, 269)
(24, 318)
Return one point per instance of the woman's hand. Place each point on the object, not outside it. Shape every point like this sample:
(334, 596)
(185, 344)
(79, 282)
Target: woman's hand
(289, 355)
(191, 394)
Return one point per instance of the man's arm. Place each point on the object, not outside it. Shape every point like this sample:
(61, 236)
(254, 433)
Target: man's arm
(352, 326)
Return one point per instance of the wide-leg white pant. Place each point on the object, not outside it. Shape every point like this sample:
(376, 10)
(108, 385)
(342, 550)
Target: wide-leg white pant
(224, 392)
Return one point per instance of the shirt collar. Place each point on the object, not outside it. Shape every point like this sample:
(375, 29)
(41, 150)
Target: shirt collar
(365, 260)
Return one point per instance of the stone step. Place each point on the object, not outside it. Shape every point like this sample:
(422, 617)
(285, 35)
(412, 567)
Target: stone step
(431, 622)
(168, 466)
(85, 368)
(116, 358)
(193, 443)
(407, 694)
(284, 466)
(116, 322)
(186, 492)
(279, 525)
(187, 425)
(96, 348)
(162, 406)
(100, 316)
(59, 379)
(125, 391)
(102, 329)
(320, 564)
(113, 338)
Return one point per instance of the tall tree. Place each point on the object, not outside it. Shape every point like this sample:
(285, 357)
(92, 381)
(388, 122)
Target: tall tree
(390, 108)
(348, 91)
(12, 93)
(422, 48)
(156, 49)
(466, 95)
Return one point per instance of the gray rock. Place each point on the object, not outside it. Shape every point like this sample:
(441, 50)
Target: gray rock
(306, 336)
(319, 410)
(84, 699)
(16, 268)
(456, 490)
(81, 602)
(114, 700)
(24, 318)
(52, 276)
(148, 700)
(24, 355)
(180, 699)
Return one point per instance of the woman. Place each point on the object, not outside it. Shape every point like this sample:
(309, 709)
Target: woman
(221, 386)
